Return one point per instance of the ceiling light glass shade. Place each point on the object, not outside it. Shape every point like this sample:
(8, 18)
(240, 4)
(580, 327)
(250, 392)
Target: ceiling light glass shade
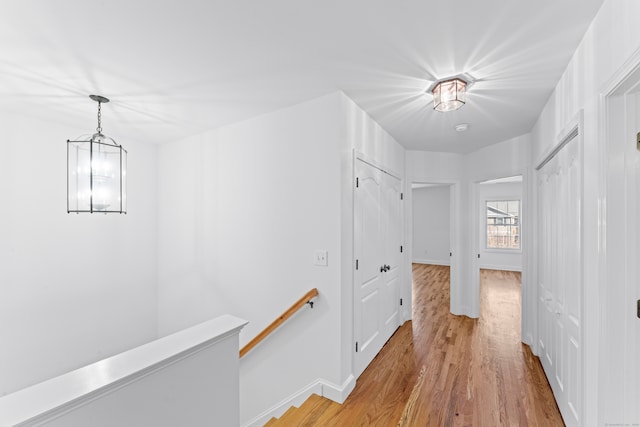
(96, 175)
(449, 95)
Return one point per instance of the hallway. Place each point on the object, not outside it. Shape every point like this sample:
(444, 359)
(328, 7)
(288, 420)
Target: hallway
(446, 370)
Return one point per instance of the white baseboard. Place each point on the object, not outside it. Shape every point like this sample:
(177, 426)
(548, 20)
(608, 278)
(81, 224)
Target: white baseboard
(338, 393)
(465, 310)
(320, 387)
(528, 339)
(501, 267)
(431, 261)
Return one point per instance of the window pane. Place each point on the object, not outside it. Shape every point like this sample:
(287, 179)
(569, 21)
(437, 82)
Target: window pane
(503, 224)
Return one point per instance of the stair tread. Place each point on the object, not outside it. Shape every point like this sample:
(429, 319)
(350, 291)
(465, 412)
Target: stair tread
(325, 413)
(288, 415)
(316, 410)
(272, 422)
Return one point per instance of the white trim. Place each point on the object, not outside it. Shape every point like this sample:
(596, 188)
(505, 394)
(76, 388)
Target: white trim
(455, 262)
(371, 162)
(574, 129)
(338, 393)
(502, 250)
(483, 207)
(500, 267)
(431, 261)
(296, 399)
(320, 387)
(570, 136)
(596, 364)
(466, 310)
(50, 399)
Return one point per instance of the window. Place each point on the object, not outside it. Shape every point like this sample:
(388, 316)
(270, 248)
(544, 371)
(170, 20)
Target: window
(503, 224)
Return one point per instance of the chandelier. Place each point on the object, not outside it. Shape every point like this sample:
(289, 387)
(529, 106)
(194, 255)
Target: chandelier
(96, 171)
(449, 95)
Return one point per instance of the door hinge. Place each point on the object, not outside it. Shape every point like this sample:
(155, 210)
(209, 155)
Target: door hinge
(357, 182)
(400, 248)
(356, 264)
(401, 196)
(450, 253)
(639, 309)
(400, 301)
(356, 346)
(478, 256)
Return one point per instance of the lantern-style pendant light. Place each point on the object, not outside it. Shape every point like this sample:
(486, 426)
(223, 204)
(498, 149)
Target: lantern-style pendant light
(96, 171)
(449, 95)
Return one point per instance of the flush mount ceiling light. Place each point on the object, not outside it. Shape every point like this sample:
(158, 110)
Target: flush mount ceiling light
(96, 171)
(449, 95)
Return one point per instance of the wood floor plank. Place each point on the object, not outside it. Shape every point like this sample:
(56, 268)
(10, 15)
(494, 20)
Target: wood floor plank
(445, 370)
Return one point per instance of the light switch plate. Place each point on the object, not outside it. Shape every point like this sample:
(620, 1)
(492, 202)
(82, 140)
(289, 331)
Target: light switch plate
(321, 258)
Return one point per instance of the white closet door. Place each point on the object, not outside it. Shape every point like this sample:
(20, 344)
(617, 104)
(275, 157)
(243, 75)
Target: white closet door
(546, 184)
(559, 286)
(569, 312)
(377, 230)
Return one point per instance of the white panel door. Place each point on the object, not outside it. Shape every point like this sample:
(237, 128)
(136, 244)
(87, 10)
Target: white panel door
(569, 311)
(377, 229)
(546, 186)
(559, 286)
(392, 211)
(368, 275)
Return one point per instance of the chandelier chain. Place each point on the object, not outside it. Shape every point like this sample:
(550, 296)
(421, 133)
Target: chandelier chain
(99, 128)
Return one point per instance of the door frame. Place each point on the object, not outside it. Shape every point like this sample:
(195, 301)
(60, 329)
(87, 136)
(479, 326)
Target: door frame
(526, 333)
(359, 156)
(573, 133)
(608, 298)
(479, 230)
(454, 241)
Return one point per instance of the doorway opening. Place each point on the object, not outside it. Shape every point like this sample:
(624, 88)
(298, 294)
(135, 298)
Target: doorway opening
(499, 262)
(432, 216)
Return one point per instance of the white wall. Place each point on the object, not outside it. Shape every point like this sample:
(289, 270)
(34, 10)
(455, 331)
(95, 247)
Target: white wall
(614, 36)
(431, 217)
(75, 288)
(464, 172)
(503, 159)
(496, 259)
(443, 168)
(189, 378)
(426, 166)
(242, 210)
(371, 142)
(500, 160)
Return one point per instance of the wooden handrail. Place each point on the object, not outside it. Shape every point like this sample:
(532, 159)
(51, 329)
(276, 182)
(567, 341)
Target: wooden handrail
(280, 320)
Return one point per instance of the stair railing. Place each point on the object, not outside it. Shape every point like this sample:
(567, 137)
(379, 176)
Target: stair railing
(306, 299)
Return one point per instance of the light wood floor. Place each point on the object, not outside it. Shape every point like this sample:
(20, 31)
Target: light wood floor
(446, 370)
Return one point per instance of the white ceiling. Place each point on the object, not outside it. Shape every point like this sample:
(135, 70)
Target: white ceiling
(177, 68)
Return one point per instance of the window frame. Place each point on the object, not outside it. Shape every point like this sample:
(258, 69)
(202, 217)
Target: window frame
(485, 203)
